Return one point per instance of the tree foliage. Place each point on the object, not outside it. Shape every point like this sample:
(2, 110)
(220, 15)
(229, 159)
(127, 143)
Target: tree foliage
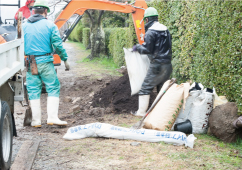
(86, 37)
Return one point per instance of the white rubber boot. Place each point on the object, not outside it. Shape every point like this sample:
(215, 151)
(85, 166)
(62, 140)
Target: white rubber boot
(52, 111)
(36, 113)
(143, 105)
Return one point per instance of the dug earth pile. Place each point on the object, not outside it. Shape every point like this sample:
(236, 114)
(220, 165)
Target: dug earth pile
(117, 96)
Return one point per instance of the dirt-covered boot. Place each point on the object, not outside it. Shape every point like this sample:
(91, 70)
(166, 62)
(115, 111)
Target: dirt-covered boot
(52, 111)
(143, 105)
(36, 113)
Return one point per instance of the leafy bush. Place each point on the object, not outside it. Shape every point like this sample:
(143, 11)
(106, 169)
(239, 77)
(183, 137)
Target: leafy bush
(76, 34)
(119, 38)
(86, 36)
(206, 43)
(107, 31)
(71, 36)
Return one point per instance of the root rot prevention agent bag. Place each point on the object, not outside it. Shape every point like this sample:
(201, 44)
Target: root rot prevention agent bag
(164, 114)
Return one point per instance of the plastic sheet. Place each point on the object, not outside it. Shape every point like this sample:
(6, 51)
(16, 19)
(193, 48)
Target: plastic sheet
(146, 135)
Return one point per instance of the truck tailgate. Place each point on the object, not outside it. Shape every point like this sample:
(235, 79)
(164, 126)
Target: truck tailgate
(11, 59)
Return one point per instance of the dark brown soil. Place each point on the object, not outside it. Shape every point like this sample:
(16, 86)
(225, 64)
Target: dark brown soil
(117, 95)
(220, 122)
(98, 98)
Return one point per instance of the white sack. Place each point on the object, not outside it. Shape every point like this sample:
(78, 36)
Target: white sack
(184, 113)
(200, 111)
(146, 135)
(137, 66)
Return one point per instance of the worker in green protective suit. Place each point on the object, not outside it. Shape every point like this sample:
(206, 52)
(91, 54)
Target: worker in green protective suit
(40, 37)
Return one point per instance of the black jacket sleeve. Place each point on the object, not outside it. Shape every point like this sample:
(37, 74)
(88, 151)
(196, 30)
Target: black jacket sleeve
(148, 46)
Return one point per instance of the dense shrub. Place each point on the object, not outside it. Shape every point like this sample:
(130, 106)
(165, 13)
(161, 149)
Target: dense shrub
(206, 43)
(71, 38)
(76, 34)
(119, 38)
(86, 36)
(107, 31)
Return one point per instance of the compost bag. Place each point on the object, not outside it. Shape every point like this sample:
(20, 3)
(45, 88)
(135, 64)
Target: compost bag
(164, 114)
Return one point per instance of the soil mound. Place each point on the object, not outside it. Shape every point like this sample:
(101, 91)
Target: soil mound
(117, 95)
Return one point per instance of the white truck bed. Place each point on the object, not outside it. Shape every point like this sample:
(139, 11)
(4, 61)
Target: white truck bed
(11, 59)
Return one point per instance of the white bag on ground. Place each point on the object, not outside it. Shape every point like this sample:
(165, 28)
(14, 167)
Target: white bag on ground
(137, 66)
(110, 131)
(184, 112)
(200, 111)
(164, 114)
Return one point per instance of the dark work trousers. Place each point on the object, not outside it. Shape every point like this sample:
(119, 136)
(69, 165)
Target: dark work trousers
(157, 75)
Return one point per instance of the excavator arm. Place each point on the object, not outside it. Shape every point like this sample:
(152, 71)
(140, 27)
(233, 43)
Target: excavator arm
(80, 6)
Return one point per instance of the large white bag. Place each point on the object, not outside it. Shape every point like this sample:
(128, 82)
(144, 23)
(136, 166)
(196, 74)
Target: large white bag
(200, 111)
(110, 131)
(164, 114)
(185, 111)
(137, 66)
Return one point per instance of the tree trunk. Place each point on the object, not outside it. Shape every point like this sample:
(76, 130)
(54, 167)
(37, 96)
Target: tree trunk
(97, 35)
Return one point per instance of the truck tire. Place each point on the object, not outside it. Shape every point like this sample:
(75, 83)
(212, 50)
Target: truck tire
(6, 137)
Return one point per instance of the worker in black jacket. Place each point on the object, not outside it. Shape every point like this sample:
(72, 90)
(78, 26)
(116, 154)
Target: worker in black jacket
(158, 47)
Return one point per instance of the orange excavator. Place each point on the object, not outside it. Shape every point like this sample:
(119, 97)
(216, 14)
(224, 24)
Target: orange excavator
(78, 7)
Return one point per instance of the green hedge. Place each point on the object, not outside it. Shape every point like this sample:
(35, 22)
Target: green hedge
(86, 36)
(107, 32)
(206, 43)
(119, 38)
(76, 34)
